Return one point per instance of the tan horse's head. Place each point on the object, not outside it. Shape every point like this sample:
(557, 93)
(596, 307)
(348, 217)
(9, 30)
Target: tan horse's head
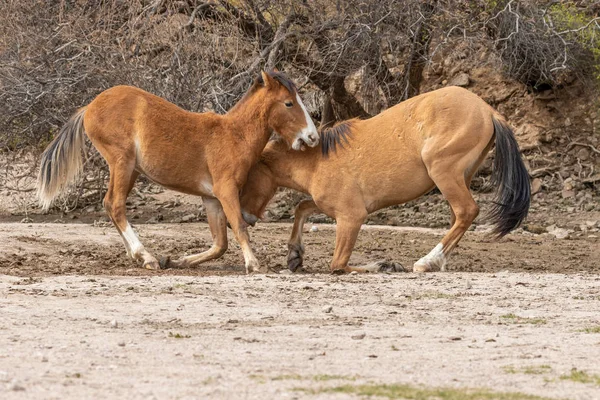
(261, 184)
(286, 114)
(257, 192)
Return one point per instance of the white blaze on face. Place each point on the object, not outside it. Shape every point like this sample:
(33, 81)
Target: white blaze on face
(435, 258)
(308, 135)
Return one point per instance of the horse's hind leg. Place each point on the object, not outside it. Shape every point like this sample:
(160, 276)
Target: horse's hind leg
(295, 246)
(455, 189)
(218, 229)
(346, 233)
(122, 179)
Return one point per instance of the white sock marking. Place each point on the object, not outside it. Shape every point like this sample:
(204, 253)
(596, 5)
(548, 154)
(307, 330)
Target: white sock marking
(435, 258)
(132, 241)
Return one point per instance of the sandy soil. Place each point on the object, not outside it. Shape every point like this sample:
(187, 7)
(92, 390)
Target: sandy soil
(79, 320)
(46, 249)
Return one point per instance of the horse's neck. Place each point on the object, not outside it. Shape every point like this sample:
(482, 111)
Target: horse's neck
(249, 121)
(293, 169)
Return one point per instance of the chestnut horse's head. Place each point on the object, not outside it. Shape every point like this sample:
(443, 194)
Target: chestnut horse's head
(286, 114)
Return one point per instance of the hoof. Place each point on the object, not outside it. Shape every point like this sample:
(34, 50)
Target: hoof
(387, 266)
(421, 267)
(294, 261)
(295, 257)
(153, 265)
(338, 272)
(255, 267)
(165, 262)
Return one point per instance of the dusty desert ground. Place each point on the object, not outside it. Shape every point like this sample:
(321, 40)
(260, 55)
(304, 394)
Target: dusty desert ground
(512, 319)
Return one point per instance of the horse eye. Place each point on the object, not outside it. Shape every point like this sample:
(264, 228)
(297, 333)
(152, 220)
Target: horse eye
(289, 104)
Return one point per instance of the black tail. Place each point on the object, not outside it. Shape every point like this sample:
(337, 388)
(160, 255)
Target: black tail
(511, 178)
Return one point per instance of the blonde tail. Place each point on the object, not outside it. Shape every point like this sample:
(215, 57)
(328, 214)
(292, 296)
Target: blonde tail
(61, 161)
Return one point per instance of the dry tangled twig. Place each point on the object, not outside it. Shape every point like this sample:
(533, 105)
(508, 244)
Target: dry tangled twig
(350, 57)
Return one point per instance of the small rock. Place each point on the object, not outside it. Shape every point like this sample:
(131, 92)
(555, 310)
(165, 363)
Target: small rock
(461, 79)
(469, 284)
(188, 218)
(327, 309)
(536, 185)
(568, 184)
(121, 344)
(568, 122)
(44, 359)
(16, 387)
(583, 154)
(559, 233)
(353, 273)
(26, 220)
(566, 194)
(155, 220)
(114, 324)
(546, 95)
(533, 228)
(314, 228)
(360, 336)
(285, 272)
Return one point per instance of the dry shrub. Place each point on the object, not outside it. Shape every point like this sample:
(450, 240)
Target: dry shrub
(547, 43)
(349, 57)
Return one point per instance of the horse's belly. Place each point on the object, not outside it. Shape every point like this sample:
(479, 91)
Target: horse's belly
(393, 186)
(189, 180)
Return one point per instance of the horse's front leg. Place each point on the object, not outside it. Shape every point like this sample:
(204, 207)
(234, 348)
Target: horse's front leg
(217, 222)
(295, 246)
(228, 195)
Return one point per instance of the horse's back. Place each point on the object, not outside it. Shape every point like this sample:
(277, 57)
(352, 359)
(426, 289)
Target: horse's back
(129, 124)
(392, 152)
(120, 107)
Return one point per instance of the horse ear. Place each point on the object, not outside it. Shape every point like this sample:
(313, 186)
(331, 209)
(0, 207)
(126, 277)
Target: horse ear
(267, 81)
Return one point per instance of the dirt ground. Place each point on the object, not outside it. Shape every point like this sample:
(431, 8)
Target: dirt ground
(79, 320)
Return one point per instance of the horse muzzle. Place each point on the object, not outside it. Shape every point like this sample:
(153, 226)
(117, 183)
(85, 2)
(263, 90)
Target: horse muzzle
(250, 219)
(305, 140)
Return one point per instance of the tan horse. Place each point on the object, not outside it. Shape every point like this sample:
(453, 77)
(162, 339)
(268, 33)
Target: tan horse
(435, 139)
(202, 154)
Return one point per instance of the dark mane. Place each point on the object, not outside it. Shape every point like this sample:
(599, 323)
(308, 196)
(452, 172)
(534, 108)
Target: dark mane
(334, 136)
(281, 78)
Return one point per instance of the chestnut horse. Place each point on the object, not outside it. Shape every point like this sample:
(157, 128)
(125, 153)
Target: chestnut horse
(203, 154)
(435, 139)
